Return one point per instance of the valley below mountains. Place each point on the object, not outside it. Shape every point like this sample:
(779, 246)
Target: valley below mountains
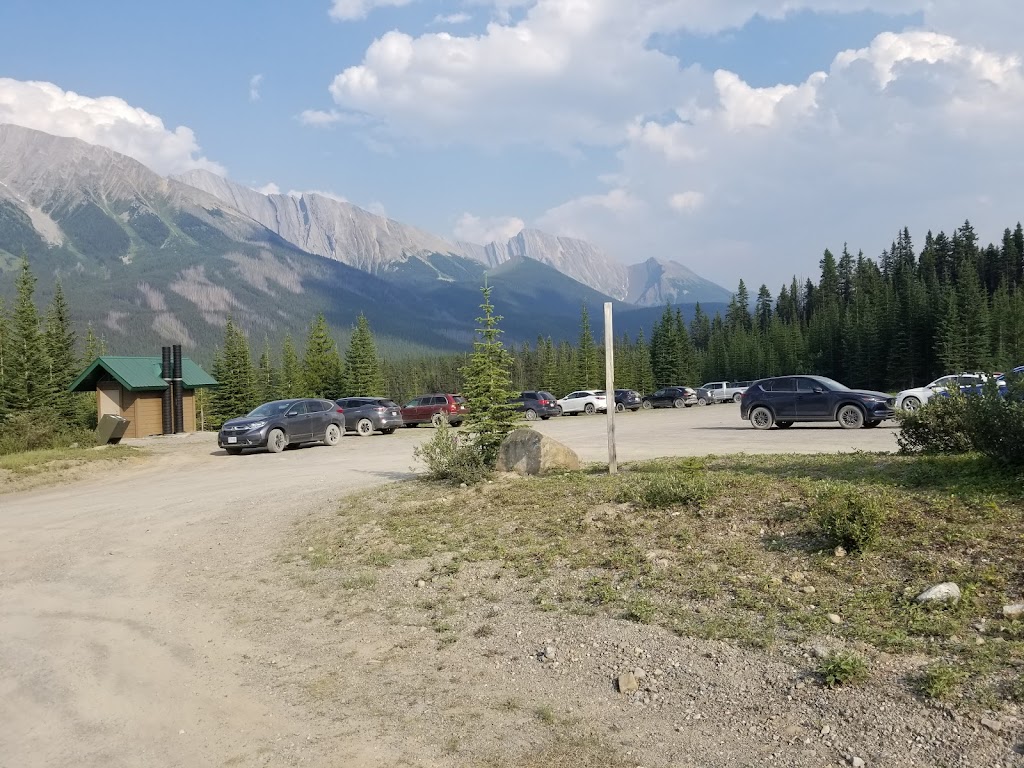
(150, 260)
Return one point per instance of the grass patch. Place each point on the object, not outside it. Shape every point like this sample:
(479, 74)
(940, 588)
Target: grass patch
(732, 548)
(843, 668)
(940, 681)
(56, 459)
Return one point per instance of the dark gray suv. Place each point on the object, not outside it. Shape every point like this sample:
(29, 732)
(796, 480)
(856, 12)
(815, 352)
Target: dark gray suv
(366, 415)
(281, 423)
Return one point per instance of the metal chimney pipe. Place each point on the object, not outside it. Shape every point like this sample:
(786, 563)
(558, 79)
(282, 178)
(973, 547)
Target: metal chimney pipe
(166, 400)
(179, 410)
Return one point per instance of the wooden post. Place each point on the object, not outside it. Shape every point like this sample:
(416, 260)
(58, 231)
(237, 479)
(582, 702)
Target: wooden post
(609, 385)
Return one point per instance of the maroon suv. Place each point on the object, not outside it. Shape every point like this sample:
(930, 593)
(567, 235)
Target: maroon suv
(435, 409)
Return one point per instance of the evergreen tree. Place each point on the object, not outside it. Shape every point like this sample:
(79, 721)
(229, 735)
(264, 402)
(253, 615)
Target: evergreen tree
(293, 383)
(60, 342)
(236, 393)
(268, 378)
(4, 362)
(588, 373)
(321, 368)
(28, 386)
(645, 374)
(488, 385)
(363, 375)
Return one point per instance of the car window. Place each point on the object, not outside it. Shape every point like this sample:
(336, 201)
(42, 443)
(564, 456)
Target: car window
(387, 403)
(803, 384)
(442, 400)
(412, 403)
(275, 408)
(298, 408)
(969, 380)
(343, 403)
(459, 399)
(659, 393)
(546, 396)
(786, 384)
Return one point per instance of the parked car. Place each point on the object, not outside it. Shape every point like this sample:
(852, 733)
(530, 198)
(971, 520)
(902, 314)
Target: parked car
(627, 400)
(723, 391)
(435, 409)
(914, 398)
(366, 415)
(583, 401)
(783, 400)
(705, 396)
(1001, 382)
(281, 423)
(671, 397)
(536, 405)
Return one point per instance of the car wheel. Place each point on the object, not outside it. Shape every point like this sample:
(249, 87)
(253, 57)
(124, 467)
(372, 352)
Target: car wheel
(762, 418)
(407, 425)
(850, 417)
(364, 427)
(872, 423)
(783, 424)
(544, 418)
(559, 410)
(332, 435)
(911, 403)
(702, 401)
(620, 407)
(438, 419)
(233, 451)
(647, 405)
(589, 409)
(276, 441)
(679, 403)
(531, 415)
(388, 431)
(737, 398)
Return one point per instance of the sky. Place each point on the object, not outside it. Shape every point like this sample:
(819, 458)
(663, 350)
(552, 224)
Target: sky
(738, 137)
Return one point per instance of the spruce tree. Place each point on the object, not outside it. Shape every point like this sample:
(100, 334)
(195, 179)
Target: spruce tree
(4, 362)
(488, 385)
(268, 378)
(321, 366)
(236, 394)
(60, 341)
(363, 375)
(293, 383)
(29, 384)
(587, 363)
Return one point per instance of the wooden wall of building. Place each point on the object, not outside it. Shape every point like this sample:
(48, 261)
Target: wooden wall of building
(144, 410)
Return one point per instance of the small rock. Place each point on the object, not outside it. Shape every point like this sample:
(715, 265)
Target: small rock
(857, 762)
(627, 683)
(808, 590)
(548, 654)
(820, 651)
(945, 592)
(826, 730)
(796, 577)
(420, 583)
(839, 552)
(639, 674)
(1015, 611)
(835, 618)
(993, 725)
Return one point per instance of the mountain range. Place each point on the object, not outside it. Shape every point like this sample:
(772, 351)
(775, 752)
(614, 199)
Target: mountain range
(150, 259)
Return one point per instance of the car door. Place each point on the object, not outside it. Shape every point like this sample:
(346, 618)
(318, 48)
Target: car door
(321, 413)
(658, 398)
(782, 398)
(411, 411)
(573, 402)
(297, 423)
(812, 405)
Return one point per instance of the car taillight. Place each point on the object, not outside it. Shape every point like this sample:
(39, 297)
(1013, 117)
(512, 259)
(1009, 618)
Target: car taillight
(453, 408)
(543, 402)
(380, 409)
(340, 410)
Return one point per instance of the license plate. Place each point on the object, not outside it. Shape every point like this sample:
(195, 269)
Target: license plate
(232, 439)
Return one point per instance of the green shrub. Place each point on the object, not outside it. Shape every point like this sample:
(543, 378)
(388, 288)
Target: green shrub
(843, 668)
(995, 425)
(939, 426)
(940, 681)
(450, 459)
(662, 490)
(39, 430)
(848, 516)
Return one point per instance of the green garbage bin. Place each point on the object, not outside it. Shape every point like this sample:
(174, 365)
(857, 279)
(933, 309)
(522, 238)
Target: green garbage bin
(111, 429)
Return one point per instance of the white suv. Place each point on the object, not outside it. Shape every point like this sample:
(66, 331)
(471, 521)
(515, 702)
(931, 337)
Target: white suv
(912, 399)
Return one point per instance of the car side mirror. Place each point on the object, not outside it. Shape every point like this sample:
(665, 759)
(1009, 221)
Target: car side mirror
(818, 390)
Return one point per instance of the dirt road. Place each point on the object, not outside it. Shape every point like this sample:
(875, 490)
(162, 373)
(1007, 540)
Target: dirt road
(132, 631)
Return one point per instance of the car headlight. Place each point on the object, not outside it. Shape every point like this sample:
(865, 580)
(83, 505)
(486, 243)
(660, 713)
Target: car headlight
(874, 400)
(258, 424)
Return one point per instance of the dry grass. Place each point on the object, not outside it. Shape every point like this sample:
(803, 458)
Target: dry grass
(53, 461)
(729, 548)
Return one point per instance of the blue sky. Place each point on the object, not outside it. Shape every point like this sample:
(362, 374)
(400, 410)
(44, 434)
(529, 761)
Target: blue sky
(688, 129)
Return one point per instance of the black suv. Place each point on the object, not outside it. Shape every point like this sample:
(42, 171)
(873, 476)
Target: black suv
(670, 397)
(783, 400)
(366, 415)
(281, 423)
(536, 405)
(627, 400)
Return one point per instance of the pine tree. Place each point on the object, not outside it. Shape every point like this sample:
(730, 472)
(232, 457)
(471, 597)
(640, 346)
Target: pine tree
(293, 384)
(60, 342)
(363, 374)
(664, 350)
(4, 362)
(488, 385)
(268, 378)
(28, 386)
(237, 393)
(321, 366)
(587, 364)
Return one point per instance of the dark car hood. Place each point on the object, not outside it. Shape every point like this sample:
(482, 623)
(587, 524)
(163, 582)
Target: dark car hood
(873, 393)
(243, 421)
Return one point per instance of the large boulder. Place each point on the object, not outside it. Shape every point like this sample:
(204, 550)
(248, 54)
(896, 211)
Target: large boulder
(528, 452)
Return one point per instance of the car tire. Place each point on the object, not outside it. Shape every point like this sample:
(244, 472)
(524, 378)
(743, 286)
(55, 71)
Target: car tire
(388, 431)
(872, 423)
(456, 424)
(544, 418)
(783, 424)
(620, 407)
(364, 427)
(589, 409)
(911, 403)
(647, 405)
(276, 441)
(762, 418)
(233, 451)
(850, 417)
(559, 410)
(438, 419)
(332, 435)
(737, 398)
(702, 401)
(679, 403)
(409, 426)
(531, 415)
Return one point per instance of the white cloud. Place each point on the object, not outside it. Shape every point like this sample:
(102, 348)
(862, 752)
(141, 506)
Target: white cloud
(452, 18)
(483, 230)
(685, 202)
(108, 121)
(378, 208)
(350, 10)
(254, 87)
(571, 219)
(319, 117)
(270, 188)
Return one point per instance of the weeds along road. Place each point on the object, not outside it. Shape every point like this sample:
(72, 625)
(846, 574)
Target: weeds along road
(120, 638)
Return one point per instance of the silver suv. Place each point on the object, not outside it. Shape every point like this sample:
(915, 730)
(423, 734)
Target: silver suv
(723, 391)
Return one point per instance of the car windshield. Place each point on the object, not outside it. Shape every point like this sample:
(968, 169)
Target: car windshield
(459, 399)
(387, 403)
(832, 384)
(275, 408)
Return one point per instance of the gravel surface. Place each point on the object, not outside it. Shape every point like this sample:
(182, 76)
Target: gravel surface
(150, 619)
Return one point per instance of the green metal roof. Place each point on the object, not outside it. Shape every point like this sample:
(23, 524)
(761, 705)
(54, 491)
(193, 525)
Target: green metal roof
(138, 374)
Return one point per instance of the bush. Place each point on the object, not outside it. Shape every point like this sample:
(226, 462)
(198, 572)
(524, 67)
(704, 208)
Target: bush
(843, 668)
(940, 426)
(666, 490)
(38, 430)
(940, 681)
(848, 516)
(452, 460)
(995, 425)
